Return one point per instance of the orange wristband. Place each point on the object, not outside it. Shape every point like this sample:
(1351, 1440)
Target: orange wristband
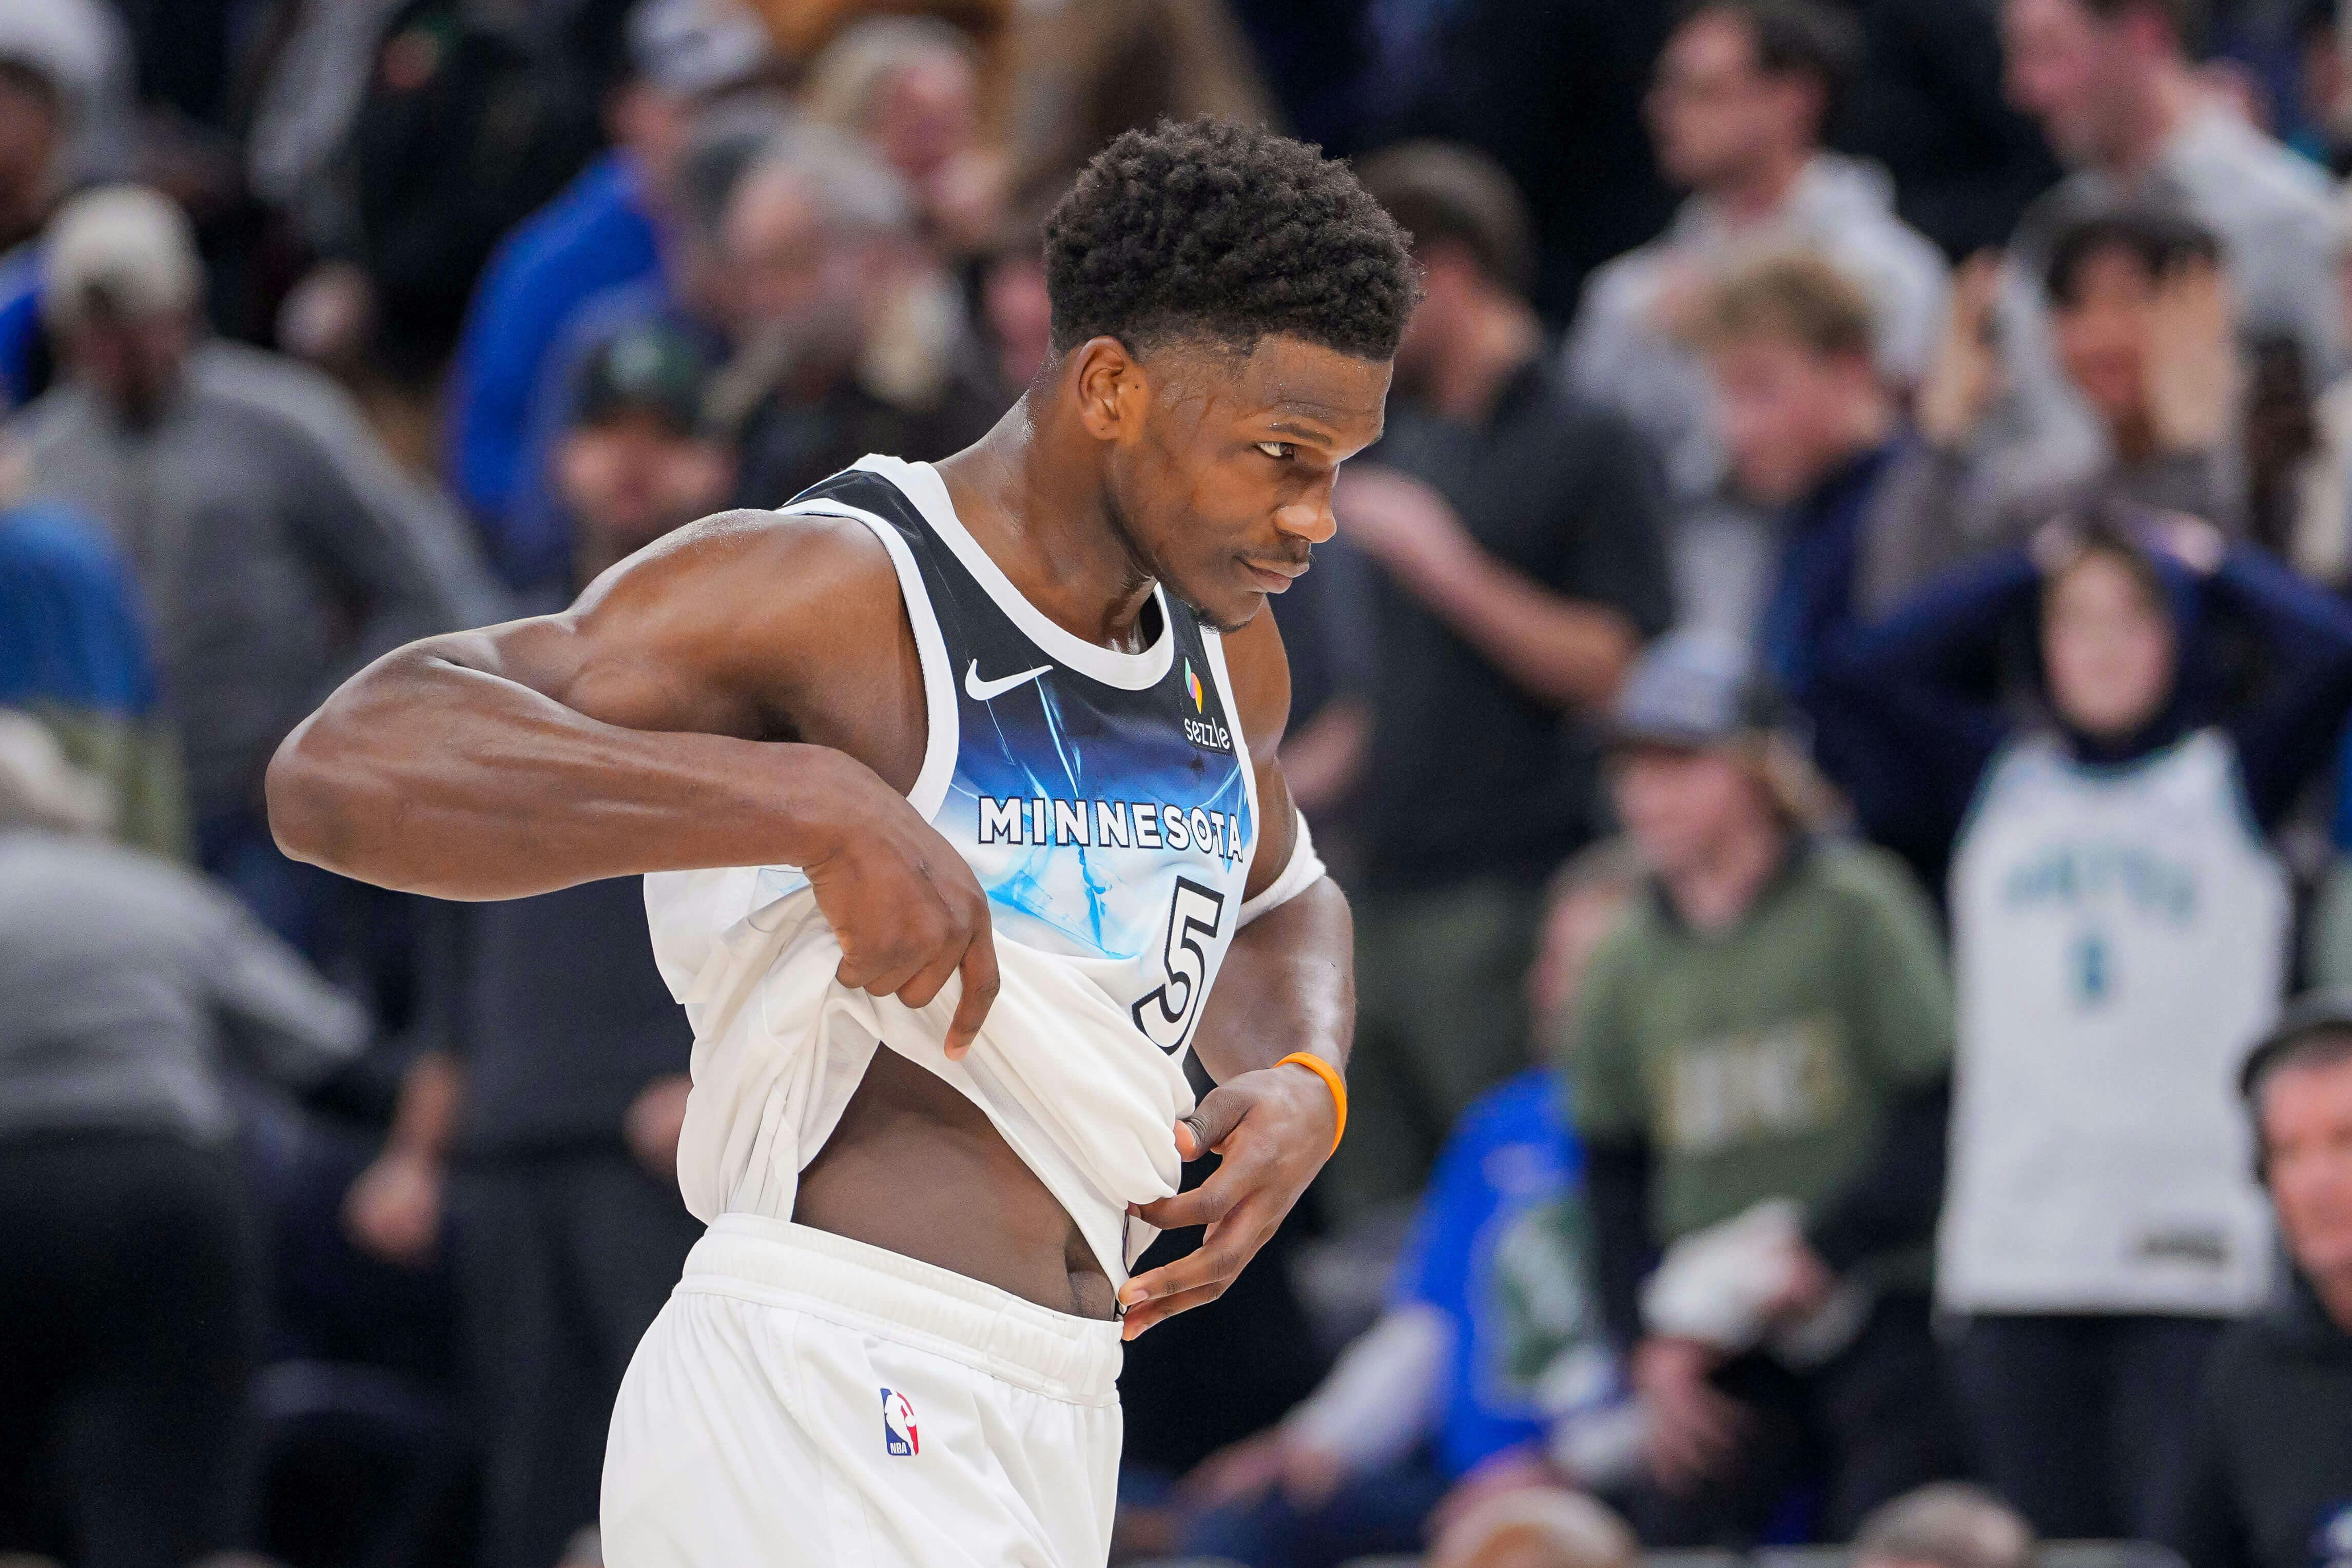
(1332, 1079)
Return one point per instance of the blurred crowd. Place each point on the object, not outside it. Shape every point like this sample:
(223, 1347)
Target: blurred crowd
(1829, 700)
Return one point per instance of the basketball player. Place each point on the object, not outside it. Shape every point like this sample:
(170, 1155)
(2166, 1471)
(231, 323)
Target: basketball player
(956, 789)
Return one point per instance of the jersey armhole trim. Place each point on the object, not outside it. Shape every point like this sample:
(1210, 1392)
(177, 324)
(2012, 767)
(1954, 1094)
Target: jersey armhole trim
(931, 790)
(1212, 647)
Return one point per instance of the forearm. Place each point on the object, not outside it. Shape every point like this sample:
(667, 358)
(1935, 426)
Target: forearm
(1289, 984)
(1559, 650)
(431, 773)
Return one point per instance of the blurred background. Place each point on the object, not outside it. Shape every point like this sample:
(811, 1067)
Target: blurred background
(1827, 701)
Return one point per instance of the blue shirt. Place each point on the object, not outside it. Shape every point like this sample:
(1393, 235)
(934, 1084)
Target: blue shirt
(20, 324)
(1813, 599)
(592, 237)
(71, 632)
(1510, 1159)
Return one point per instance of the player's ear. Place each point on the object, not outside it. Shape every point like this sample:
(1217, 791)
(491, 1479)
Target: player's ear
(1111, 386)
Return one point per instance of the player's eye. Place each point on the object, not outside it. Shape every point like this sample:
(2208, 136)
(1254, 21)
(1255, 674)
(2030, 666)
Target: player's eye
(1280, 451)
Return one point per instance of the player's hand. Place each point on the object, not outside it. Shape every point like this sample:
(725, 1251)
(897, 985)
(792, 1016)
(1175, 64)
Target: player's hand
(1273, 1129)
(393, 1210)
(904, 907)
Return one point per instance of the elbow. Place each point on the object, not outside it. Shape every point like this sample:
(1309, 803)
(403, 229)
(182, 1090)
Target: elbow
(307, 796)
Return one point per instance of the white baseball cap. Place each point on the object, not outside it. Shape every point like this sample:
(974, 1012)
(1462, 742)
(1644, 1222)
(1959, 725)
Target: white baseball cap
(127, 249)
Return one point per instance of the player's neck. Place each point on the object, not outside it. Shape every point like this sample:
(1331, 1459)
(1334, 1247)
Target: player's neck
(1028, 492)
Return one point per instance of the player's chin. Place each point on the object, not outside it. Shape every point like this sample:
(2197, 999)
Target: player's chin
(1226, 602)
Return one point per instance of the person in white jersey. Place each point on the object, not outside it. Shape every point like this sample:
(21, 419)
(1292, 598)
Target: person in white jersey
(956, 792)
(2119, 930)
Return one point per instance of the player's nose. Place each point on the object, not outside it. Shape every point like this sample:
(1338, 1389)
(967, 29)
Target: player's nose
(1309, 516)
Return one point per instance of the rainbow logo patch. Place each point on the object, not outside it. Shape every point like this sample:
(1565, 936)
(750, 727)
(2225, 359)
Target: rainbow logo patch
(1192, 685)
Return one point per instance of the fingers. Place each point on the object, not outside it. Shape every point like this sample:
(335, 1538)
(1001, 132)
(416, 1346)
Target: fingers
(1212, 1200)
(1197, 1278)
(1213, 1120)
(979, 984)
(1140, 1319)
(908, 940)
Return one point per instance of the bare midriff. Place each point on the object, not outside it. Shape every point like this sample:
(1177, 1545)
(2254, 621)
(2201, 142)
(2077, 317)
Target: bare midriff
(917, 1169)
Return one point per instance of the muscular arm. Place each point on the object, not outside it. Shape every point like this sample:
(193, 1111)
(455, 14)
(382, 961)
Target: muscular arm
(745, 692)
(632, 733)
(1287, 985)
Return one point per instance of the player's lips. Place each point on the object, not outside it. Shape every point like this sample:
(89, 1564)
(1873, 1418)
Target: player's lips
(1275, 578)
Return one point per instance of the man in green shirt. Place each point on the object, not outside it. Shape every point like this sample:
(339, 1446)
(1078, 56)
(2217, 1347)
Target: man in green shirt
(1760, 1066)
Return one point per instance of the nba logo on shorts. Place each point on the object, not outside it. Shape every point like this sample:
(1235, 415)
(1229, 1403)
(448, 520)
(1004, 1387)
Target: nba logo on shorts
(898, 1438)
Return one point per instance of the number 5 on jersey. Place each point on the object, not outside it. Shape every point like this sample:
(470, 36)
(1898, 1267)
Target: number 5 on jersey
(1166, 1016)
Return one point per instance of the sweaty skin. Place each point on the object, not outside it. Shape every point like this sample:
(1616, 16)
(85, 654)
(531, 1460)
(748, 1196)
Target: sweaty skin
(748, 691)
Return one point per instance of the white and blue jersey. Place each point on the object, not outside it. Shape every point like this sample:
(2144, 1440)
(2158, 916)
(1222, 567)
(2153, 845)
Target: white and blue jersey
(1105, 801)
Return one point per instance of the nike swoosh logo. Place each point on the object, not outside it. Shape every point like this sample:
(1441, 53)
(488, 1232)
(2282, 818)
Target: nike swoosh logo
(982, 691)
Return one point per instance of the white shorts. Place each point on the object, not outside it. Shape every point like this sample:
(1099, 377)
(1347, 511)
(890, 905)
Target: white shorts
(805, 1401)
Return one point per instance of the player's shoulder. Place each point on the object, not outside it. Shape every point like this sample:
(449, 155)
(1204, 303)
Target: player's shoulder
(756, 578)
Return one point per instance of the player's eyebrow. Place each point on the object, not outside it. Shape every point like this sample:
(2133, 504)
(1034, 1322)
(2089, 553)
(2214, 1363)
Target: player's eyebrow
(1300, 431)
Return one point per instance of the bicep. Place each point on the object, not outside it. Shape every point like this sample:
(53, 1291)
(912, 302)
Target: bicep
(741, 625)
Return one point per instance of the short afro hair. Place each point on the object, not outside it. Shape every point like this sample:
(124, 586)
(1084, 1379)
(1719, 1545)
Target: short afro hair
(1205, 228)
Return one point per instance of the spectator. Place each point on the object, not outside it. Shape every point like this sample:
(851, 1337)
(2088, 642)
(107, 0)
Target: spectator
(73, 654)
(275, 544)
(852, 338)
(84, 50)
(2270, 1482)
(2119, 930)
(1487, 1371)
(468, 123)
(1519, 83)
(910, 87)
(51, 64)
(1949, 1524)
(535, 546)
(606, 229)
(1810, 426)
(2318, 538)
(1929, 106)
(554, 1129)
(1084, 70)
(1013, 309)
(133, 1278)
(1759, 1062)
(2117, 95)
(1743, 92)
(1516, 533)
(1537, 1529)
(2142, 324)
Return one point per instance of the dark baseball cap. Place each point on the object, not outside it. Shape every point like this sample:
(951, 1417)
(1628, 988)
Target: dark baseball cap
(653, 369)
(1693, 691)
